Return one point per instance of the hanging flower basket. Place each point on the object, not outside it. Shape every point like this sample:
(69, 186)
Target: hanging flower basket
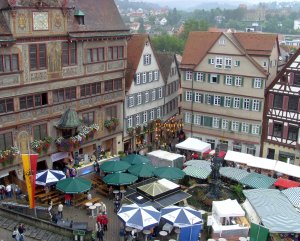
(7, 156)
(111, 124)
(43, 145)
(130, 131)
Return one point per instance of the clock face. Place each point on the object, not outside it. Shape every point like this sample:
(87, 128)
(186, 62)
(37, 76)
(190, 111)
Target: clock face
(40, 20)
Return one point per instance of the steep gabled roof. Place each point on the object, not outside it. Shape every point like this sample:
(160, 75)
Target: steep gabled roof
(257, 43)
(197, 45)
(165, 61)
(99, 15)
(282, 72)
(135, 47)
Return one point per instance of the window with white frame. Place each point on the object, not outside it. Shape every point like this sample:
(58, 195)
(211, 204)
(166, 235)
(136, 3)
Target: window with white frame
(197, 119)
(188, 96)
(131, 101)
(246, 104)
(188, 117)
(145, 117)
(144, 77)
(160, 93)
(147, 59)
(216, 122)
(235, 126)
(199, 76)
(198, 97)
(221, 41)
(156, 75)
(153, 95)
(255, 105)
(217, 100)
(129, 122)
(257, 83)
(237, 63)
(137, 120)
(227, 101)
(150, 75)
(188, 75)
(139, 98)
(225, 124)
(255, 129)
(245, 127)
(146, 97)
(228, 80)
(213, 78)
(251, 150)
(138, 78)
(236, 102)
(219, 62)
(238, 81)
(152, 114)
(228, 62)
(158, 112)
(236, 146)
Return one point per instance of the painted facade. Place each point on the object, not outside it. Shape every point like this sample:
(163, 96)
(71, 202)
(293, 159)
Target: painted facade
(55, 56)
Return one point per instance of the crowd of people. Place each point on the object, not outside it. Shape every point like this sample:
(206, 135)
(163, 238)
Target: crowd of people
(9, 190)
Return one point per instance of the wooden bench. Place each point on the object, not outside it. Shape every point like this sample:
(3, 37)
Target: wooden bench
(51, 196)
(93, 200)
(78, 198)
(42, 195)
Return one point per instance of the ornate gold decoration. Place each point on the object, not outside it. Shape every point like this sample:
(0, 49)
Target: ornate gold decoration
(57, 20)
(21, 21)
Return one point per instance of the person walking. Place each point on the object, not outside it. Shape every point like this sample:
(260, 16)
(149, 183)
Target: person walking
(104, 221)
(21, 230)
(9, 191)
(60, 210)
(99, 230)
(15, 234)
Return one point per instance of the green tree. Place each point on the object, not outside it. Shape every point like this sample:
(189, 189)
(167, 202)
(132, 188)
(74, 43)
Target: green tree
(193, 25)
(173, 17)
(167, 43)
(142, 28)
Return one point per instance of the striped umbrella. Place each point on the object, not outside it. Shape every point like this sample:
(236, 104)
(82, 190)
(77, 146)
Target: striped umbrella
(49, 177)
(171, 173)
(233, 173)
(197, 172)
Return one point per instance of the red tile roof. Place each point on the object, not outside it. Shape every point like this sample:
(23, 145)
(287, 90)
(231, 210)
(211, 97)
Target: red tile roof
(197, 45)
(257, 43)
(134, 51)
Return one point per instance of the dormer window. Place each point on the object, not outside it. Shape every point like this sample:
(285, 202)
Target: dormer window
(79, 16)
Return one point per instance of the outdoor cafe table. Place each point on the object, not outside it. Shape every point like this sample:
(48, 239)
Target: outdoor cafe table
(163, 234)
(92, 208)
(146, 232)
(115, 192)
(98, 205)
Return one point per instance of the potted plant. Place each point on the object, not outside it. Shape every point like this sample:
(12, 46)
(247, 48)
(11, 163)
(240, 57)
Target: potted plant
(7, 156)
(111, 124)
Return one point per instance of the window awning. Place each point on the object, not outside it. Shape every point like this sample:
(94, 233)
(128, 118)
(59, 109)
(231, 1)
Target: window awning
(285, 183)
(58, 156)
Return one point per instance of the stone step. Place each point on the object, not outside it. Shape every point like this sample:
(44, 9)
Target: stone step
(46, 235)
(12, 226)
(7, 223)
(40, 234)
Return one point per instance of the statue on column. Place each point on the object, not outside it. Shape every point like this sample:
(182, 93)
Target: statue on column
(215, 182)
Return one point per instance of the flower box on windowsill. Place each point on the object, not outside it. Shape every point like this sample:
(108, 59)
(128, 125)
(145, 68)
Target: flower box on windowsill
(111, 124)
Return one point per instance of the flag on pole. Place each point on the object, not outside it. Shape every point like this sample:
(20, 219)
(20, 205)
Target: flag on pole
(29, 166)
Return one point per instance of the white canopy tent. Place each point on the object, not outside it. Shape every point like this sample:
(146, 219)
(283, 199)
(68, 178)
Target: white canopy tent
(239, 157)
(193, 144)
(260, 162)
(288, 169)
(227, 208)
(161, 158)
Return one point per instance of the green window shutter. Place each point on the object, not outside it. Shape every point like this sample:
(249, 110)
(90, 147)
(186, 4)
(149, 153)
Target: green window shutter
(222, 100)
(241, 103)
(184, 94)
(250, 107)
(201, 98)
(207, 121)
(195, 75)
(224, 79)
(242, 81)
(260, 130)
(260, 105)
(220, 123)
(262, 84)
(147, 77)
(212, 97)
(250, 128)
(253, 83)
(209, 61)
(232, 100)
(204, 77)
(218, 78)
(208, 80)
(238, 63)
(229, 125)
(240, 127)
(184, 75)
(206, 98)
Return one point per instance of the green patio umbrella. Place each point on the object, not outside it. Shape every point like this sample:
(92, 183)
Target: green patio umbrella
(74, 185)
(134, 159)
(114, 166)
(142, 170)
(172, 173)
(120, 178)
(197, 172)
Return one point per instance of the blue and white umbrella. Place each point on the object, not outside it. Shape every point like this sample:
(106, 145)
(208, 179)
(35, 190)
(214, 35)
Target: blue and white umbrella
(139, 217)
(181, 216)
(49, 177)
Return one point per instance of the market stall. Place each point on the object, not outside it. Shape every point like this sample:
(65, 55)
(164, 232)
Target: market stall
(161, 158)
(193, 144)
